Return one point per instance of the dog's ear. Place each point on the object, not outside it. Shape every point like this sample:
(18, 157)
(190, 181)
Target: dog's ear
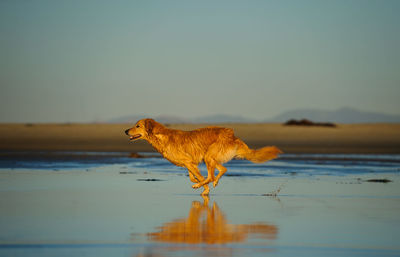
(149, 125)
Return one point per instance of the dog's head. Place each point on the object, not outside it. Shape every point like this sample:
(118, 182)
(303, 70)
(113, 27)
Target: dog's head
(143, 129)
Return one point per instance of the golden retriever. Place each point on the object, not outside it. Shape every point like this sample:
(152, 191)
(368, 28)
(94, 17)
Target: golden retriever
(213, 145)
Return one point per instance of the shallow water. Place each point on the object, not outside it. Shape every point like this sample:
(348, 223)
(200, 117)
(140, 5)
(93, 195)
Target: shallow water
(90, 204)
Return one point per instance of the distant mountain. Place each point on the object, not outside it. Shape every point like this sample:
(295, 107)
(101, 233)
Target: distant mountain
(342, 115)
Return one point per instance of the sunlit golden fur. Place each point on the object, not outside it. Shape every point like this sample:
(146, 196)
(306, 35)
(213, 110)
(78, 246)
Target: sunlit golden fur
(213, 145)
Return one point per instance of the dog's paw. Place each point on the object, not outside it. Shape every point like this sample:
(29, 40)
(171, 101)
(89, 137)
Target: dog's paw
(196, 185)
(216, 183)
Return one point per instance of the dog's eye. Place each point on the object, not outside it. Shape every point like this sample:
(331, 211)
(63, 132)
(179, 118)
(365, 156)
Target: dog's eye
(137, 126)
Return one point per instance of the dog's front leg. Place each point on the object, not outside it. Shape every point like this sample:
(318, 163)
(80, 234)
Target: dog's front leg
(196, 177)
(194, 173)
(192, 177)
(210, 163)
(202, 183)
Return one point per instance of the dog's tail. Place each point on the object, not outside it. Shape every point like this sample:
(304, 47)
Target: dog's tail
(259, 155)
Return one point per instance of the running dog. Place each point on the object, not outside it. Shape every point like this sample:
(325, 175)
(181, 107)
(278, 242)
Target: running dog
(213, 145)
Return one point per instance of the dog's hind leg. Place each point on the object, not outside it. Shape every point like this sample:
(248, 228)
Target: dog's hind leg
(221, 172)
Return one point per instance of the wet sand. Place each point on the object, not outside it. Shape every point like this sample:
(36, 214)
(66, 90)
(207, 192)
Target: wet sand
(146, 207)
(345, 138)
(56, 199)
(107, 214)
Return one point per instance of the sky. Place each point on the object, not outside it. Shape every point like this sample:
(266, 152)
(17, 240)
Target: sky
(91, 61)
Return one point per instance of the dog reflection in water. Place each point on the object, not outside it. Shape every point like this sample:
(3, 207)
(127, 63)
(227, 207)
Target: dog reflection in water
(209, 225)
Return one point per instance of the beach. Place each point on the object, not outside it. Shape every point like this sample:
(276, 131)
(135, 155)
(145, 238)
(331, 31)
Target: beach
(84, 189)
(311, 86)
(345, 138)
(109, 204)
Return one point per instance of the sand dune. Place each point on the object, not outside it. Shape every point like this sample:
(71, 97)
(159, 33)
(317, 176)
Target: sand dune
(345, 138)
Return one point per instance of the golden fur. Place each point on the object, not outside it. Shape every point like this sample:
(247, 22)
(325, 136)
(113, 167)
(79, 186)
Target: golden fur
(213, 145)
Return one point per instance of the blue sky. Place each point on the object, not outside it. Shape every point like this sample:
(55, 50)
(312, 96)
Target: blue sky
(84, 61)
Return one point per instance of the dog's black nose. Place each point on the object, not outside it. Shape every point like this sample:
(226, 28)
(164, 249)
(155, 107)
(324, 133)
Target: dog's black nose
(127, 131)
